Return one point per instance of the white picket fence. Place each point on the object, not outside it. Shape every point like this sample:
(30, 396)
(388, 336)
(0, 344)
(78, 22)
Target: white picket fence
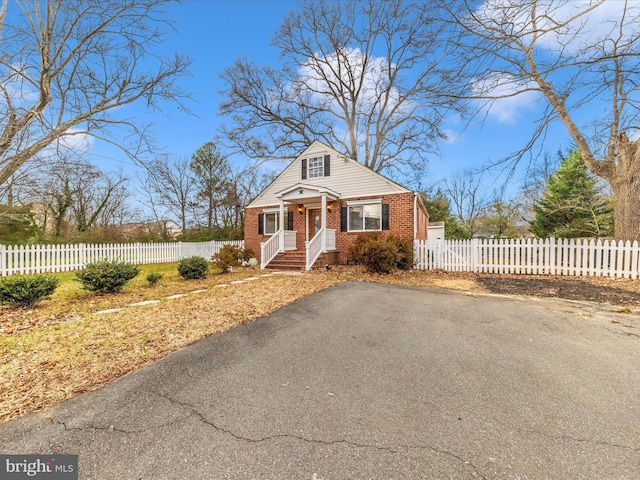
(64, 258)
(549, 256)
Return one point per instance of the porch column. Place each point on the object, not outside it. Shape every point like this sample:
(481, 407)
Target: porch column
(281, 231)
(324, 222)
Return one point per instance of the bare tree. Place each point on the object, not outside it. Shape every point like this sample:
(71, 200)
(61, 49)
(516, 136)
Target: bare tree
(502, 218)
(68, 65)
(72, 192)
(468, 198)
(171, 185)
(363, 76)
(569, 55)
(3, 12)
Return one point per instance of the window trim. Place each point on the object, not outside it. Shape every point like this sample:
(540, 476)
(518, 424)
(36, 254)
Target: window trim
(317, 168)
(276, 212)
(364, 203)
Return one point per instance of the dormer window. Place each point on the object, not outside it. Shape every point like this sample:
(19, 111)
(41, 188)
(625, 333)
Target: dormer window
(316, 167)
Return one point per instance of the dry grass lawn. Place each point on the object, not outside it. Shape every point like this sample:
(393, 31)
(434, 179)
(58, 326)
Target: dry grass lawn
(62, 347)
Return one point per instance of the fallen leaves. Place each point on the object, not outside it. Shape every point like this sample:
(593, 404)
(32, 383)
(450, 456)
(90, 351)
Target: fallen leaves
(62, 348)
(49, 363)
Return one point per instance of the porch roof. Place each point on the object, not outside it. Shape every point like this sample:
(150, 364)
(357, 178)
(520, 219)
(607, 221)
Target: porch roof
(302, 191)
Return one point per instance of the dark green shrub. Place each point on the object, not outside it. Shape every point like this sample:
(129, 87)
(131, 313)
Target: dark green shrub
(26, 290)
(406, 259)
(106, 276)
(193, 268)
(379, 256)
(154, 278)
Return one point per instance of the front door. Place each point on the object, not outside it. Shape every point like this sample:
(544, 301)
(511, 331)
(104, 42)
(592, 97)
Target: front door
(315, 222)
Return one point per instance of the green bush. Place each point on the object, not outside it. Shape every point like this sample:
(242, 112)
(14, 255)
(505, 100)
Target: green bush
(406, 259)
(193, 268)
(382, 255)
(154, 278)
(106, 276)
(228, 256)
(379, 256)
(355, 251)
(26, 290)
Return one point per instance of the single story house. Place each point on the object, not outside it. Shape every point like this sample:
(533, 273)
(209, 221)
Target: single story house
(312, 212)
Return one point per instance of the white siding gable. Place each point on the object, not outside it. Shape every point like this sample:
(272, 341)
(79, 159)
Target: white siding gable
(347, 177)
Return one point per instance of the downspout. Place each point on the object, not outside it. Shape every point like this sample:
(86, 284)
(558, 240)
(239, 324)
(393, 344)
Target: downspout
(415, 215)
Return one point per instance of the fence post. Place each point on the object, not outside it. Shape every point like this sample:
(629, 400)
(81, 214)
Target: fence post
(474, 254)
(3, 260)
(83, 255)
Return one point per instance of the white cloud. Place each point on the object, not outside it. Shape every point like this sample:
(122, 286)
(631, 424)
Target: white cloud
(452, 136)
(351, 68)
(74, 141)
(585, 29)
(16, 83)
(506, 99)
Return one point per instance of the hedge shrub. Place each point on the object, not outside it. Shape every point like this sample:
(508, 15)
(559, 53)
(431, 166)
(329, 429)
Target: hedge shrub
(26, 290)
(106, 276)
(406, 259)
(381, 255)
(193, 268)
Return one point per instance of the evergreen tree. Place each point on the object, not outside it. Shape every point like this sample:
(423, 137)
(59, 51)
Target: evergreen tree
(573, 205)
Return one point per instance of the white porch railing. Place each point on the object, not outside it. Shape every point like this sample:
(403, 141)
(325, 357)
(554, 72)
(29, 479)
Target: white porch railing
(314, 248)
(269, 249)
(290, 240)
(331, 239)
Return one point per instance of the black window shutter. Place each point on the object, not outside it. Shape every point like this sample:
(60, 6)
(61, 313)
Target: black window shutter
(289, 220)
(304, 169)
(327, 165)
(261, 224)
(343, 219)
(385, 216)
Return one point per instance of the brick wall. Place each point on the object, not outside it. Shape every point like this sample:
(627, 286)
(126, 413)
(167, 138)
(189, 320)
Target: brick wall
(400, 223)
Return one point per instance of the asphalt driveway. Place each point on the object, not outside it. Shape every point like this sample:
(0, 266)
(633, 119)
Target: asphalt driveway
(370, 381)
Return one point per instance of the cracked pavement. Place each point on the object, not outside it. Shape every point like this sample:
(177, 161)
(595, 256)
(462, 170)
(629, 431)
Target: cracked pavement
(370, 381)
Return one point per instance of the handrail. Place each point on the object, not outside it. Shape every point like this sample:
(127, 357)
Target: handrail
(269, 249)
(314, 248)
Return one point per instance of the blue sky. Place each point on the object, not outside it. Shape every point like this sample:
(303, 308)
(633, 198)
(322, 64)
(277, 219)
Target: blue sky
(215, 32)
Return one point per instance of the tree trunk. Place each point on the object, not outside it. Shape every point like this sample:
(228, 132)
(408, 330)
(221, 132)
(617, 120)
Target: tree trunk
(626, 190)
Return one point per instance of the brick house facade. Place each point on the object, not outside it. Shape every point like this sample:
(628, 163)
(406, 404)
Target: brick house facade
(325, 200)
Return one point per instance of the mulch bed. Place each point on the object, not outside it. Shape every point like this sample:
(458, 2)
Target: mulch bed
(592, 289)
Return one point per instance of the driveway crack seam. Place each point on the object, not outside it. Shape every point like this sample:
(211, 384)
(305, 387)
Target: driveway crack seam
(204, 420)
(111, 428)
